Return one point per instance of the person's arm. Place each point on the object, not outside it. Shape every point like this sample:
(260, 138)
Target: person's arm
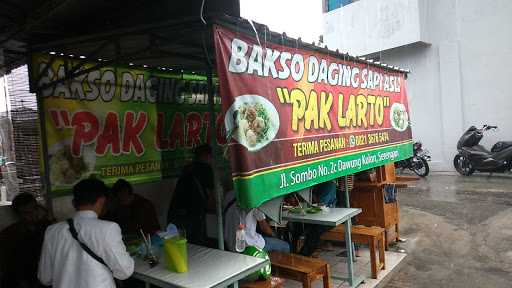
(262, 222)
(265, 228)
(45, 270)
(116, 256)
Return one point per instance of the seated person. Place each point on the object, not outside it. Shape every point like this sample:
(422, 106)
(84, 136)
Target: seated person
(252, 219)
(21, 242)
(325, 193)
(133, 211)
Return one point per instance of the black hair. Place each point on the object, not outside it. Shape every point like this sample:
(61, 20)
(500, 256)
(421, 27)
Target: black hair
(22, 199)
(121, 185)
(88, 191)
(203, 150)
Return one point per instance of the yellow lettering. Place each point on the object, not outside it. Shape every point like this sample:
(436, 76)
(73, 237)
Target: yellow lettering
(379, 110)
(342, 122)
(351, 111)
(325, 106)
(371, 103)
(298, 100)
(362, 106)
(312, 111)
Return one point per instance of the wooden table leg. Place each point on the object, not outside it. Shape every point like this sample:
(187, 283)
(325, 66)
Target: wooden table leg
(397, 229)
(327, 276)
(386, 242)
(397, 226)
(306, 281)
(373, 257)
(382, 257)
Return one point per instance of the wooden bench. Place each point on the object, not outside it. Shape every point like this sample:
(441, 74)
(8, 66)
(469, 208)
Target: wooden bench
(257, 284)
(300, 268)
(371, 236)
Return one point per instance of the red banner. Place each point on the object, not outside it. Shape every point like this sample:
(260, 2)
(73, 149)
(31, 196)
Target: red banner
(288, 108)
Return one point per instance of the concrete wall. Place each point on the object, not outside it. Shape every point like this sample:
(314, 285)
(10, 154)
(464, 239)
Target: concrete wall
(461, 77)
(369, 26)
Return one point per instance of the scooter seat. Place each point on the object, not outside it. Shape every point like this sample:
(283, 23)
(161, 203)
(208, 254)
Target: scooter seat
(500, 146)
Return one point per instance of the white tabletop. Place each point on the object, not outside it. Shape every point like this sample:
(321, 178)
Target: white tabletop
(334, 217)
(206, 268)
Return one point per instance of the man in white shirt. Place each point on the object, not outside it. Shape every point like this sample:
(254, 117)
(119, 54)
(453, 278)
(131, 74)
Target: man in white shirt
(64, 263)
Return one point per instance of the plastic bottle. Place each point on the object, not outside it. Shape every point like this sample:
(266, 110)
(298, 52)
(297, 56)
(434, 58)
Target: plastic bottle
(240, 238)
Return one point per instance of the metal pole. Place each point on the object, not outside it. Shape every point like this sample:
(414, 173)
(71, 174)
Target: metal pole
(348, 238)
(347, 200)
(213, 141)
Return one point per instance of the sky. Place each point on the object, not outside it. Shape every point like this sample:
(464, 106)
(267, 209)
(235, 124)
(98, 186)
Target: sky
(298, 18)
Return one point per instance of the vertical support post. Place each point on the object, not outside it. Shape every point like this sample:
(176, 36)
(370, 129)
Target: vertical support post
(42, 130)
(347, 199)
(213, 141)
(348, 238)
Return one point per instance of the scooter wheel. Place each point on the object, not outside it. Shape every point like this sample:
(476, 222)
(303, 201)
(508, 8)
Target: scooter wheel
(463, 165)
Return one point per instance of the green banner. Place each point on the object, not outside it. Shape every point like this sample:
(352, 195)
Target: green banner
(120, 122)
(296, 177)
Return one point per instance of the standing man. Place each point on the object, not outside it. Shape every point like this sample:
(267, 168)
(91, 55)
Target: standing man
(64, 261)
(192, 196)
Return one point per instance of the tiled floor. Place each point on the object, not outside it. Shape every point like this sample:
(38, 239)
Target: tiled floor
(362, 266)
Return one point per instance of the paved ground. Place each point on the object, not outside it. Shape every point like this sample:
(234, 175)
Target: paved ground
(459, 232)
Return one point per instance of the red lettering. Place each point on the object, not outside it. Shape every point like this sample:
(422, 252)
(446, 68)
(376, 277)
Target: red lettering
(177, 131)
(132, 132)
(54, 114)
(85, 129)
(193, 129)
(109, 136)
(161, 142)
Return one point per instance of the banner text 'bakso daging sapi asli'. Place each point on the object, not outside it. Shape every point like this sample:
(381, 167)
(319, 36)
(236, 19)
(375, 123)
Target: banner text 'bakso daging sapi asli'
(296, 117)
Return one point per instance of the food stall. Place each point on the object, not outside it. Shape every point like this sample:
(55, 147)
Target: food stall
(292, 114)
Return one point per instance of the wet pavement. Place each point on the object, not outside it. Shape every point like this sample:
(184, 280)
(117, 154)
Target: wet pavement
(459, 232)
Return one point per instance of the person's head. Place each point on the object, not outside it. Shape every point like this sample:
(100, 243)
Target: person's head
(24, 206)
(203, 153)
(123, 190)
(90, 194)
